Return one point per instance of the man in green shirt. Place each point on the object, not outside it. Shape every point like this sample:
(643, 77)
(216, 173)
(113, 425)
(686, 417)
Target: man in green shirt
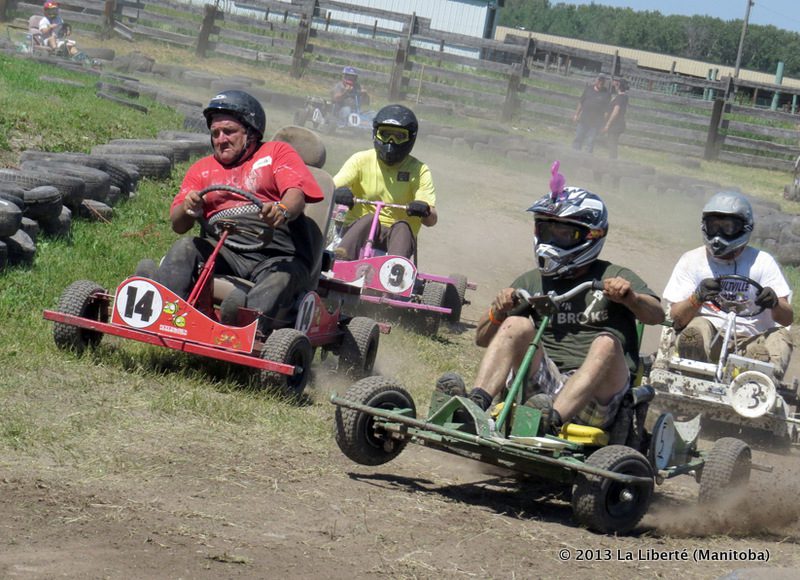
(589, 349)
(388, 173)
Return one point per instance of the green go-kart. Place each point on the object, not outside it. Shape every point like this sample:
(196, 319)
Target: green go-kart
(612, 473)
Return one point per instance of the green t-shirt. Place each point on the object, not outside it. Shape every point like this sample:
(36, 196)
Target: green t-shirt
(571, 331)
(371, 179)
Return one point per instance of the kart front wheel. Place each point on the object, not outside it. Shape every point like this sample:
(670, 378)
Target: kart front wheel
(359, 346)
(433, 294)
(291, 347)
(356, 433)
(607, 506)
(86, 300)
(726, 469)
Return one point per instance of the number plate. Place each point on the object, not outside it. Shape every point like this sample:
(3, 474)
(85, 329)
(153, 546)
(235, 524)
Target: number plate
(147, 305)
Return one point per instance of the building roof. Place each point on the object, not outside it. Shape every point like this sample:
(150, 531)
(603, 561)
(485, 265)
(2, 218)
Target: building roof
(651, 60)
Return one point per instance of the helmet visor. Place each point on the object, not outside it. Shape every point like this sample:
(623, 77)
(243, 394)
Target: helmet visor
(726, 226)
(390, 134)
(560, 234)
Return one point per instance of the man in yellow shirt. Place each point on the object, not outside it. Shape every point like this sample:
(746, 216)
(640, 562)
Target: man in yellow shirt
(388, 173)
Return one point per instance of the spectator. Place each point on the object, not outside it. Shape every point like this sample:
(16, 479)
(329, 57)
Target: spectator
(591, 113)
(615, 122)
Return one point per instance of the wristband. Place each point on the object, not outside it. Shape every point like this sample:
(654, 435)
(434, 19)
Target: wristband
(284, 210)
(494, 320)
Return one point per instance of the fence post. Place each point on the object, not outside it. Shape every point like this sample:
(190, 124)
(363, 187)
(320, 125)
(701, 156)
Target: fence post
(5, 8)
(300, 47)
(207, 28)
(715, 138)
(399, 67)
(512, 100)
(108, 18)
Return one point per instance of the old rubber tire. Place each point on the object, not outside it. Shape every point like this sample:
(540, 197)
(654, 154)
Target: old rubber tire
(291, 347)
(10, 218)
(433, 294)
(355, 433)
(726, 469)
(455, 296)
(79, 299)
(608, 506)
(359, 347)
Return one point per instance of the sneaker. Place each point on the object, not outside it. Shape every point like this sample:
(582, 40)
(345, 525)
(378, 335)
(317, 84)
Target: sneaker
(690, 345)
(341, 254)
(544, 403)
(451, 385)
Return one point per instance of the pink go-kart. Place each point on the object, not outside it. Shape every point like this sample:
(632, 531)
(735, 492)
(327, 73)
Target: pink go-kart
(141, 309)
(394, 281)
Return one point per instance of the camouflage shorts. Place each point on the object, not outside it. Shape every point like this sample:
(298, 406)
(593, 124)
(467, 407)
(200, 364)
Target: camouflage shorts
(548, 379)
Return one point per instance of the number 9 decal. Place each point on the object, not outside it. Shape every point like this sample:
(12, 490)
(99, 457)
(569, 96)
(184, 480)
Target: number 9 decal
(138, 303)
(396, 275)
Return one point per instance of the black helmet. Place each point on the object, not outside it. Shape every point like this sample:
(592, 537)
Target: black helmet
(391, 151)
(241, 105)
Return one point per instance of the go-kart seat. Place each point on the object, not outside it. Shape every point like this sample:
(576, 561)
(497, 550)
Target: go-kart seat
(311, 149)
(33, 31)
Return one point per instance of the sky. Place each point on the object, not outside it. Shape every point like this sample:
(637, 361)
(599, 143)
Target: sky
(780, 13)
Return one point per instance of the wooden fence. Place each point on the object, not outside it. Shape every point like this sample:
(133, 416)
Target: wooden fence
(521, 81)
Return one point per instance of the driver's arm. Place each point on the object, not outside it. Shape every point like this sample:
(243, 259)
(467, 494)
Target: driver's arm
(682, 312)
(294, 200)
(783, 313)
(494, 317)
(430, 219)
(182, 217)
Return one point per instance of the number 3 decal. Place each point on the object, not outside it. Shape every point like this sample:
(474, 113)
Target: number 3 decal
(139, 304)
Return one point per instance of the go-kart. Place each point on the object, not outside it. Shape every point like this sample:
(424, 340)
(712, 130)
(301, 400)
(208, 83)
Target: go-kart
(737, 391)
(612, 473)
(394, 281)
(322, 115)
(205, 324)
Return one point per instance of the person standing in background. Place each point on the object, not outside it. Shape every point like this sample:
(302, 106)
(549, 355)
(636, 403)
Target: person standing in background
(615, 121)
(591, 113)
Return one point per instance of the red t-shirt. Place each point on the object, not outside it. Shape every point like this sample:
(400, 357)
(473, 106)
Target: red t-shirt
(268, 173)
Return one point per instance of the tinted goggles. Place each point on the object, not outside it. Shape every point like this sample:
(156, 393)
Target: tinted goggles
(560, 234)
(389, 134)
(727, 226)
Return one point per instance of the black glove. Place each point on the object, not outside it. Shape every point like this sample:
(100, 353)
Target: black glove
(767, 298)
(707, 289)
(418, 208)
(344, 196)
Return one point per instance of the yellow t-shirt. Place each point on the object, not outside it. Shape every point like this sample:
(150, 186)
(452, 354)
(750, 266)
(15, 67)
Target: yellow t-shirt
(371, 179)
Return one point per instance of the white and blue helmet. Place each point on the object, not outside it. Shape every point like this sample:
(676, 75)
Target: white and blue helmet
(588, 216)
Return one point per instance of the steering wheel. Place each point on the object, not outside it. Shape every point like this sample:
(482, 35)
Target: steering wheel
(249, 228)
(737, 295)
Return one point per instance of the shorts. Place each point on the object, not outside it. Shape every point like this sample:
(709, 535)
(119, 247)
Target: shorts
(549, 379)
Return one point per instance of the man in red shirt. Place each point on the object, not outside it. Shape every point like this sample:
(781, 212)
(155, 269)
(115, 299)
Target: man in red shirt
(275, 173)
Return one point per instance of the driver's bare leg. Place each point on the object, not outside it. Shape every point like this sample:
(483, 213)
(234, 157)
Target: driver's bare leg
(504, 353)
(601, 376)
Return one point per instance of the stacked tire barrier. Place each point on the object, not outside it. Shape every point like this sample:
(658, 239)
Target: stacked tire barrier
(48, 190)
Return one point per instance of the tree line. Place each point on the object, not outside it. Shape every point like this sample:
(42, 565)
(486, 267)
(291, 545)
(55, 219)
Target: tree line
(702, 38)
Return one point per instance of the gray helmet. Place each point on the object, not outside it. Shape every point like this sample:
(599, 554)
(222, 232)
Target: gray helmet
(576, 207)
(727, 204)
(241, 105)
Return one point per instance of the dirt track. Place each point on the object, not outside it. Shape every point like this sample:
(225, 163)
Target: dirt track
(238, 507)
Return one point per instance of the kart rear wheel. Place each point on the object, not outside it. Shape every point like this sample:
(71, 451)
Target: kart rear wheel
(454, 296)
(291, 347)
(726, 469)
(359, 347)
(608, 506)
(80, 299)
(356, 434)
(433, 294)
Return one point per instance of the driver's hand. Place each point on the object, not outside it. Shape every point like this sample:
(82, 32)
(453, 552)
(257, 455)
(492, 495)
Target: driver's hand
(504, 301)
(707, 289)
(767, 298)
(617, 289)
(272, 214)
(193, 204)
